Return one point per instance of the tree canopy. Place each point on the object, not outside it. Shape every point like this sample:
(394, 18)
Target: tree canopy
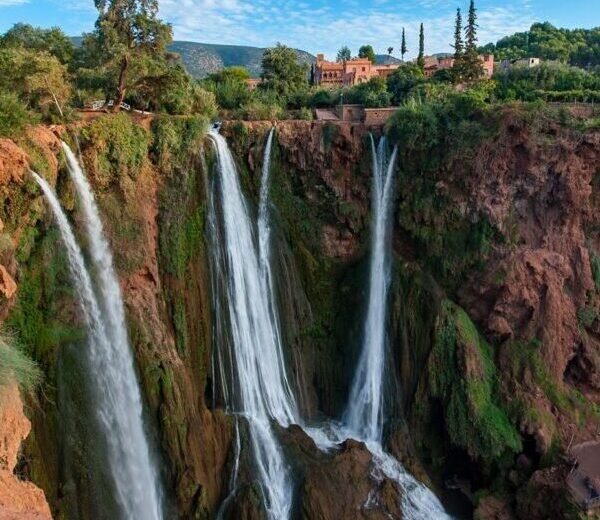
(578, 47)
(471, 67)
(344, 54)
(421, 56)
(52, 41)
(282, 72)
(403, 80)
(366, 51)
(130, 40)
(37, 77)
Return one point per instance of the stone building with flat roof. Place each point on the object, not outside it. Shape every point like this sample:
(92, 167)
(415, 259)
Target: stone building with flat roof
(349, 73)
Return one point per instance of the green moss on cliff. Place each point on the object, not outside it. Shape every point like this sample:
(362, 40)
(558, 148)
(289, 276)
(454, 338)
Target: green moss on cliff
(461, 374)
(44, 287)
(177, 147)
(529, 370)
(175, 140)
(437, 143)
(119, 147)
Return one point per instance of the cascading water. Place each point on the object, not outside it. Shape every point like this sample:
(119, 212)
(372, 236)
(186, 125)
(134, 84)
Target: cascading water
(363, 418)
(115, 387)
(364, 414)
(260, 390)
(254, 351)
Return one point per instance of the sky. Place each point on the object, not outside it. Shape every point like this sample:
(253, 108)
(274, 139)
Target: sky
(318, 25)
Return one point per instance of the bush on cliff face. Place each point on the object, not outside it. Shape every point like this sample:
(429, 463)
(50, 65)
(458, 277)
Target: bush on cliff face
(13, 115)
(462, 376)
(16, 366)
(120, 147)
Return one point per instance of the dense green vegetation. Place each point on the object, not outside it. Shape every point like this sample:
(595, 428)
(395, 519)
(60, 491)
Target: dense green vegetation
(44, 75)
(551, 81)
(461, 373)
(124, 59)
(578, 47)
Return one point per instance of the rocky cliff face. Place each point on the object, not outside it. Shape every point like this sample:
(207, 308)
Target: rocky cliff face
(494, 314)
(18, 499)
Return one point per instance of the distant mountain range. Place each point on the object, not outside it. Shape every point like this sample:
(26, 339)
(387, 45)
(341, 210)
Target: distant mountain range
(202, 59)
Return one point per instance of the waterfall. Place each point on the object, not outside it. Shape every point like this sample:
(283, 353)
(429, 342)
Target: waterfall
(118, 400)
(257, 386)
(364, 414)
(251, 362)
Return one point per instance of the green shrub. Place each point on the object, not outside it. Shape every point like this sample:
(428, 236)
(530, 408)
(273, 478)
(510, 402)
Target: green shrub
(13, 115)
(16, 366)
(120, 146)
(230, 94)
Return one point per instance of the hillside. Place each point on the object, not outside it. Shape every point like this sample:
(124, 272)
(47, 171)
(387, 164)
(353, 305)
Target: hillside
(201, 59)
(578, 47)
(385, 59)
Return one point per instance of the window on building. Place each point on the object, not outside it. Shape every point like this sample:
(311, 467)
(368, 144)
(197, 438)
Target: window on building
(364, 68)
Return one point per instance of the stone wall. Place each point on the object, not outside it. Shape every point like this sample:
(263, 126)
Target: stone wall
(378, 116)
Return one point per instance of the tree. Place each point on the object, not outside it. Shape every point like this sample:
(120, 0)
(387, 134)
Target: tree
(403, 81)
(129, 34)
(366, 51)
(344, 54)
(229, 87)
(372, 94)
(458, 46)
(421, 56)
(40, 79)
(53, 40)
(234, 73)
(282, 73)
(403, 49)
(472, 68)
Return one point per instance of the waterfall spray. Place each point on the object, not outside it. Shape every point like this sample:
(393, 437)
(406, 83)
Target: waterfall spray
(112, 373)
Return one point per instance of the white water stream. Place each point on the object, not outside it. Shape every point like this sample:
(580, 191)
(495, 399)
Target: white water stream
(364, 413)
(259, 376)
(263, 393)
(113, 379)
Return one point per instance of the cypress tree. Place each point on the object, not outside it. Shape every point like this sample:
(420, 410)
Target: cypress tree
(421, 56)
(472, 67)
(403, 48)
(458, 47)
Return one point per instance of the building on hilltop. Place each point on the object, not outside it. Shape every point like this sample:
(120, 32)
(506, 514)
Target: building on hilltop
(348, 73)
(361, 70)
(528, 63)
(434, 63)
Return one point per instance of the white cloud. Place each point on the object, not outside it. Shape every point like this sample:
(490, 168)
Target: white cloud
(320, 27)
